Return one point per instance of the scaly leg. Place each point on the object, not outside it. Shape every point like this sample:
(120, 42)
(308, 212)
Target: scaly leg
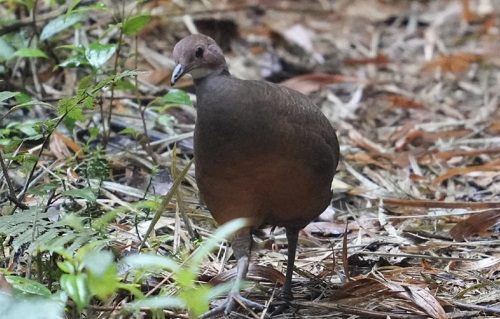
(242, 245)
(292, 236)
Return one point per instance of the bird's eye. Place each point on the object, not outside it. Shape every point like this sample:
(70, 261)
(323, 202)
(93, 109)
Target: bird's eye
(199, 52)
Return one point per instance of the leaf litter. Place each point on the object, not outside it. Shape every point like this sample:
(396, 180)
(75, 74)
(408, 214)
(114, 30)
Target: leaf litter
(412, 89)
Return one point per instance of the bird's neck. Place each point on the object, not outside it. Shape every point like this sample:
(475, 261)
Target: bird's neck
(203, 80)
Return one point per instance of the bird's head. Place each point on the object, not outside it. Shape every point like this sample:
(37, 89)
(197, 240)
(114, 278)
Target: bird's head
(198, 55)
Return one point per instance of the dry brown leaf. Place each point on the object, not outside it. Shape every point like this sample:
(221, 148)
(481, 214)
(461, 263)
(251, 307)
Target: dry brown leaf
(327, 228)
(369, 289)
(255, 273)
(415, 249)
(365, 143)
(488, 167)
(364, 158)
(72, 176)
(493, 261)
(439, 204)
(426, 264)
(373, 10)
(476, 224)
(68, 142)
(454, 63)
(398, 101)
(418, 178)
(159, 77)
(5, 286)
(474, 16)
(309, 83)
(420, 137)
(450, 154)
(467, 13)
(488, 24)
(426, 301)
(406, 210)
(364, 287)
(58, 147)
(379, 59)
(494, 128)
(401, 133)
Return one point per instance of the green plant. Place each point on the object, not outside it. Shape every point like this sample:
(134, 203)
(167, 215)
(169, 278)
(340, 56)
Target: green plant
(188, 294)
(31, 300)
(65, 221)
(90, 272)
(93, 272)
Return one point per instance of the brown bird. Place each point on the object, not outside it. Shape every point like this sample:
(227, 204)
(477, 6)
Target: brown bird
(262, 152)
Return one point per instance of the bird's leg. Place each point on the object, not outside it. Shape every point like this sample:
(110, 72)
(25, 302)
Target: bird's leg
(292, 235)
(242, 245)
(286, 294)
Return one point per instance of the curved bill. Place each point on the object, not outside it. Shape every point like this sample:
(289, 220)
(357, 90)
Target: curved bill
(177, 73)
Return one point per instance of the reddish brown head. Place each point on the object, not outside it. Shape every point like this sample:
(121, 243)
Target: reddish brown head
(197, 55)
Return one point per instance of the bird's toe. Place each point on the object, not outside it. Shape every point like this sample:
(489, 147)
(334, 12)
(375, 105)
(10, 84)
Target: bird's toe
(229, 304)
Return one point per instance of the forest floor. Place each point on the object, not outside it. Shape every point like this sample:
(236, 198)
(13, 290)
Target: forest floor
(411, 87)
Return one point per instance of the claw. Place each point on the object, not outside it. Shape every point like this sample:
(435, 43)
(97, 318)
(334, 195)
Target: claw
(228, 305)
(234, 296)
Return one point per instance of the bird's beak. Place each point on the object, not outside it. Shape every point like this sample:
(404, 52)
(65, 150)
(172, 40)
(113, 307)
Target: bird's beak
(178, 72)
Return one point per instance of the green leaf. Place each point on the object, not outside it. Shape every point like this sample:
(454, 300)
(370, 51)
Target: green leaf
(97, 54)
(28, 3)
(27, 286)
(90, 247)
(96, 7)
(70, 123)
(73, 6)
(103, 287)
(158, 303)
(66, 266)
(74, 47)
(129, 130)
(124, 85)
(97, 262)
(89, 102)
(223, 232)
(44, 189)
(74, 61)
(76, 288)
(23, 98)
(150, 261)
(59, 24)
(166, 120)
(125, 74)
(32, 308)
(85, 82)
(177, 97)
(30, 53)
(6, 50)
(85, 193)
(195, 300)
(93, 131)
(73, 221)
(135, 24)
(102, 273)
(67, 106)
(29, 128)
(7, 95)
(185, 278)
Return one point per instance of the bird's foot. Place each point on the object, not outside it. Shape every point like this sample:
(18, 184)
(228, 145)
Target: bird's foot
(227, 306)
(283, 302)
